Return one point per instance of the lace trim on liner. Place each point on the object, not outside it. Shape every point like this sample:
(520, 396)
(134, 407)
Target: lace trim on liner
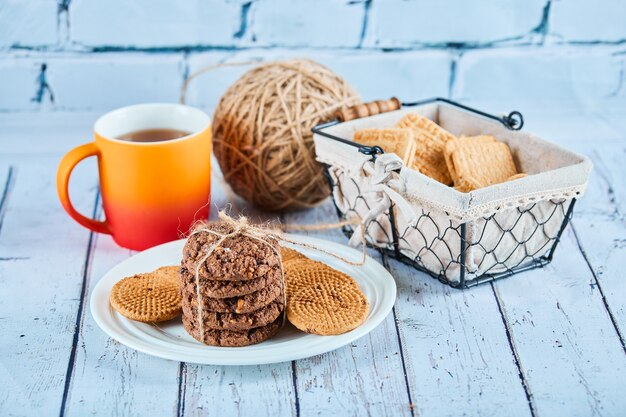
(488, 209)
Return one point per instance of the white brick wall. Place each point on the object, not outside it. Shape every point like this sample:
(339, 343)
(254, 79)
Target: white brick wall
(306, 23)
(373, 74)
(102, 54)
(401, 23)
(528, 75)
(153, 23)
(28, 23)
(105, 81)
(409, 75)
(589, 21)
(18, 82)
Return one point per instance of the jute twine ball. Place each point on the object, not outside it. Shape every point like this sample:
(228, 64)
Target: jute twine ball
(262, 132)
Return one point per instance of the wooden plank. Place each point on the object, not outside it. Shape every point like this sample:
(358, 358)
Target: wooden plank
(363, 378)
(568, 349)
(48, 133)
(265, 390)
(110, 376)
(455, 346)
(606, 191)
(43, 254)
(602, 241)
(600, 230)
(8, 175)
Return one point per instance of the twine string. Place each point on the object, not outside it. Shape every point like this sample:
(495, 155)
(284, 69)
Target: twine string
(203, 70)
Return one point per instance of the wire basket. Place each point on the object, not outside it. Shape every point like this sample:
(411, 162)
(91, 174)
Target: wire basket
(460, 239)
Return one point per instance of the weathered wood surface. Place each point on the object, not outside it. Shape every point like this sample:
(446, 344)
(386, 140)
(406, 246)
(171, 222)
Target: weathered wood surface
(547, 342)
(458, 358)
(363, 378)
(600, 230)
(41, 268)
(567, 346)
(107, 372)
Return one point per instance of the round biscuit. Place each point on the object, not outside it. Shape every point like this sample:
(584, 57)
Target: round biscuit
(288, 254)
(327, 308)
(149, 297)
(302, 273)
(168, 272)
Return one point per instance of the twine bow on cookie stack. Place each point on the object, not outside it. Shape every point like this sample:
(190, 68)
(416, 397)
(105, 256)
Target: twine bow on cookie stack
(239, 227)
(265, 236)
(387, 184)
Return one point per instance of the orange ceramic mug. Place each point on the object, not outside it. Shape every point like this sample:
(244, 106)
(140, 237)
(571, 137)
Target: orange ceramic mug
(151, 191)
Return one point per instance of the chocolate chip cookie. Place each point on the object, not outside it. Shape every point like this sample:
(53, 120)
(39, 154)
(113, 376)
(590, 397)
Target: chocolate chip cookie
(243, 304)
(228, 289)
(237, 258)
(234, 321)
(231, 338)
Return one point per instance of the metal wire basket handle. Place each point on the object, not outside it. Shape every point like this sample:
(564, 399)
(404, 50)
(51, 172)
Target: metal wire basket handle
(513, 121)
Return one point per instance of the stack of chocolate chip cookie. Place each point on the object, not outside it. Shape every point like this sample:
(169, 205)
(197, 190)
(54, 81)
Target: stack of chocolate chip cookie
(239, 297)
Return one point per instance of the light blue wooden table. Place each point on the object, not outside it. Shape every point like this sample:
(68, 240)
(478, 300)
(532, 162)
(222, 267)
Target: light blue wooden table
(548, 342)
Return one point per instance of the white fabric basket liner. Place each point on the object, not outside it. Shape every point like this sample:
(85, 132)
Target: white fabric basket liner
(555, 176)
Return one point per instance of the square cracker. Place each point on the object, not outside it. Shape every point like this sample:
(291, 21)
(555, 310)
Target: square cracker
(398, 141)
(478, 164)
(430, 141)
(453, 145)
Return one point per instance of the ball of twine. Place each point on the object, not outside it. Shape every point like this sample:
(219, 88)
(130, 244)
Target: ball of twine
(262, 132)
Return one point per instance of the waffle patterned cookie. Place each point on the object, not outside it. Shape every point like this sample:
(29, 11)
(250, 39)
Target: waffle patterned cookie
(398, 141)
(479, 164)
(288, 254)
(327, 307)
(306, 272)
(151, 297)
(430, 141)
(167, 272)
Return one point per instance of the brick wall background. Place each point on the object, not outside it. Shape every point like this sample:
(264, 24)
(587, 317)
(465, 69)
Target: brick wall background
(77, 55)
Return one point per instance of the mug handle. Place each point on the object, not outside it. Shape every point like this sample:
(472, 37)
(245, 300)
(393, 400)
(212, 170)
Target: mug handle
(69, 161)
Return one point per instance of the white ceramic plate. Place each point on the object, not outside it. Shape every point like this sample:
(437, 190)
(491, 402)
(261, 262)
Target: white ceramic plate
(170, 341)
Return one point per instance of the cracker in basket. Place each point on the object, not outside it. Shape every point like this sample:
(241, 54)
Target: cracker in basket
(453, 145)
(398, 141)
(517, 177)
(416, 121)
(479, 164)
(430, 141)
(329, 306)
(151, 297)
